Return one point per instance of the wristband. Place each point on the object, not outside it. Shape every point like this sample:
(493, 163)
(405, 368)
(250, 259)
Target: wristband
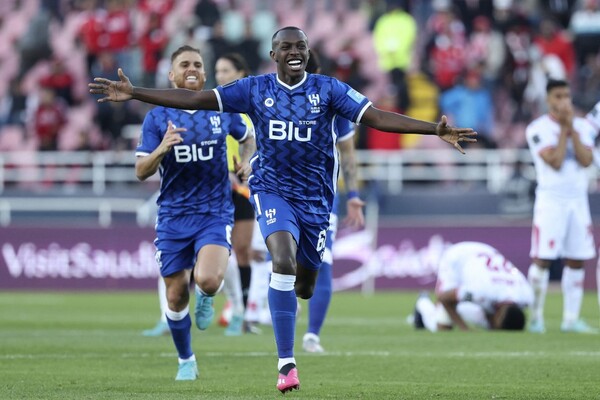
(352, 194)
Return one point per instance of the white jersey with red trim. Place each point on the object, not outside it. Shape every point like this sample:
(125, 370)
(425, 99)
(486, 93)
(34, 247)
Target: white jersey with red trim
(481, 274)
(571, 180)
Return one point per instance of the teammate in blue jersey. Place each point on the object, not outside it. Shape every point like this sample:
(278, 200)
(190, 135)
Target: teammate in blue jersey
(195, 210)
(319, 302)
(295, 170)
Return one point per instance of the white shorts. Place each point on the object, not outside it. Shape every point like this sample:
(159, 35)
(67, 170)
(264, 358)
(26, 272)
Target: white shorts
(562, 228)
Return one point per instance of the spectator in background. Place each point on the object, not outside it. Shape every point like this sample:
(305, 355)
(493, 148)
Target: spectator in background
(470, 102)
(48, 118)
(111, 117)
(346, 68)
(91, 30)
(585, 27)
(208, 13)
(559, 9)
(518, 38)
(13, 105)
(552, 39)
(249, 49)
(118, 35)
(486, 47)
(34, 45)
(152, 43)
(445, 54)
(60, 79)
(394, 36)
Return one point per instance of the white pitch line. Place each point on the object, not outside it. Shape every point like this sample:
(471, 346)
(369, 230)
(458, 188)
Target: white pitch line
(492, 354)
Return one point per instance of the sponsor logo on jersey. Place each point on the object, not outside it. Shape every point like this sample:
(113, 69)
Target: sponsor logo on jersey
(215, 121)
(281, 130)
(314, 100)
(185, 153)
(269, 102)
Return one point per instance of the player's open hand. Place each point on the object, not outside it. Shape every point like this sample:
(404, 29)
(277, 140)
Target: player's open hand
(354, 213)
(112, 90)
(455, 135)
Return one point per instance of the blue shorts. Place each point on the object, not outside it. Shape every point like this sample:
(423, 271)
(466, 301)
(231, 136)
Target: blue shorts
(178, 239)
(275, 213)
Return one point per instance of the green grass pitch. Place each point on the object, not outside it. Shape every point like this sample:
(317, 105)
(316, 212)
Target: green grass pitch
(89, 346)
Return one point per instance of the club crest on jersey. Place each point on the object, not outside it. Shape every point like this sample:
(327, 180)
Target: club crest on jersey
(270, 214)
(314, 100)
(215, 121)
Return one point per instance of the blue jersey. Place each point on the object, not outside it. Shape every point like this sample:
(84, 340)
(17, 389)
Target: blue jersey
(295, 134)
(194, 174)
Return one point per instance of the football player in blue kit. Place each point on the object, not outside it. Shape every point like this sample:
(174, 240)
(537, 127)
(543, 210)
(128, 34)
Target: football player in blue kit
(195, 211)
(295, 170)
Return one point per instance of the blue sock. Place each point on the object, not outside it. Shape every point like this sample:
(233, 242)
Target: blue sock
(180, 324)
(283, 305)
(319, 302)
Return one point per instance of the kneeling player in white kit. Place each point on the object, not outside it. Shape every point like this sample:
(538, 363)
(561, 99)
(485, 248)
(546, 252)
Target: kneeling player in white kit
(476, 286)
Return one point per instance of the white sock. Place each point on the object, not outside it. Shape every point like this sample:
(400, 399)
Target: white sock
(182, 360)
(162, 299)
(258, 291)
(283, 283)
(572, 287)
(427, 309)
(285, 361)
(203, 293)
(233, 286)
(177, 315)
(538, 279)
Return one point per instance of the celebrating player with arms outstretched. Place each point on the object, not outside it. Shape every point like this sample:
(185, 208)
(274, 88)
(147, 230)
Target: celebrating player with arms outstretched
(295, 170)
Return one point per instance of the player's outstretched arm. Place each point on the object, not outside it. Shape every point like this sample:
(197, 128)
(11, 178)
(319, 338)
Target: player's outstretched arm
(398, 123)
(123, 90)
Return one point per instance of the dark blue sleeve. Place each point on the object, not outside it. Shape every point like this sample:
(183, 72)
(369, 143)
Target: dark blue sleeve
(347, 102)
(234, 97)
(151, 135)
(238, 129)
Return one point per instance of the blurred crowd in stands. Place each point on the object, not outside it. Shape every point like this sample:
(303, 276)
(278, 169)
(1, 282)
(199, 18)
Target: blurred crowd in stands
(483, 63)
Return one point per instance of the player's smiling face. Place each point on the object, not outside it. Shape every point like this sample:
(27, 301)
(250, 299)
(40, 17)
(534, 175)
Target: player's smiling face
(187, 71)
(290, 52)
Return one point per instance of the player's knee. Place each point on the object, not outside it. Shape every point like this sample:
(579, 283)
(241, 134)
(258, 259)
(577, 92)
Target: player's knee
(284, 264)
(177, 300)
(210, 284)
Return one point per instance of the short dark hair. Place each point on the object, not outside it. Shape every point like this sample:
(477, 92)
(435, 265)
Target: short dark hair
(287, 28)
(555, 83)
(314, 62)
(514, 318)
(183, 49)
(239, 63)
